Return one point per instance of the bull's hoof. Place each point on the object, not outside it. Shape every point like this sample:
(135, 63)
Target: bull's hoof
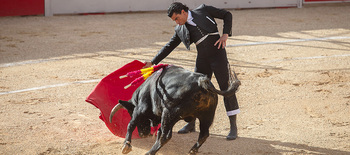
(126, 148)
(192, 152)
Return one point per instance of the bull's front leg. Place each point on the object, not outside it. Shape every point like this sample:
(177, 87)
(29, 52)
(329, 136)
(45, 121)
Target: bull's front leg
(203, 134)
(127, 143)
(164, 133)
(126, 147)
(150, 152)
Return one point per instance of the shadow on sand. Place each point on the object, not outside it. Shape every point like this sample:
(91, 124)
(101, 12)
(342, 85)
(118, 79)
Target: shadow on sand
(217, 144)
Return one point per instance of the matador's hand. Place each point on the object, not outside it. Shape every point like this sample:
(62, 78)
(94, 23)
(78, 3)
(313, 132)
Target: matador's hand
(147, 64)
(222, 41)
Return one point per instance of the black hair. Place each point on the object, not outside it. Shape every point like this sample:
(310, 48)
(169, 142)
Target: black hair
(176, 7)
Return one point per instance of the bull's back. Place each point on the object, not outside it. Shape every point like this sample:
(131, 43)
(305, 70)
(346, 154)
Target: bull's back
(178, 82)
(180, 87)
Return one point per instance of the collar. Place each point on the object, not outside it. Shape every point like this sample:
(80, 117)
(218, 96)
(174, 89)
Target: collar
(190, 19)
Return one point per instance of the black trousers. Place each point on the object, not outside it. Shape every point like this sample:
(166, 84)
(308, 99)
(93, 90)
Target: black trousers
(211, 60)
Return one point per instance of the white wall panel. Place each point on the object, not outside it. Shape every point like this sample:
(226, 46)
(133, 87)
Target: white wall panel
(241, 3)
(93, 6)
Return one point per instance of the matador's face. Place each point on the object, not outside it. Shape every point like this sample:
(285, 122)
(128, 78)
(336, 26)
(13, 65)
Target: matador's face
(180, 19)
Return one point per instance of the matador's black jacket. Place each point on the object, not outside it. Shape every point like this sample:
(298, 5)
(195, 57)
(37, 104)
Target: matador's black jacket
(203, 16)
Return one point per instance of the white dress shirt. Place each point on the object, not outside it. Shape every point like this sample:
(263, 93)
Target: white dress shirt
(190, 18)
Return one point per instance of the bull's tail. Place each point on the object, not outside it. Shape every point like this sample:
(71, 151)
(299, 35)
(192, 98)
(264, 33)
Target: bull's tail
(232, 89)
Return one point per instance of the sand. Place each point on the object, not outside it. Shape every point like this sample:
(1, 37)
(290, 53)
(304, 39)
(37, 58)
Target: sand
(294, 65)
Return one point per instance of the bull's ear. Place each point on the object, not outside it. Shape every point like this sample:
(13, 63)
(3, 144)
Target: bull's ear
(127, 105)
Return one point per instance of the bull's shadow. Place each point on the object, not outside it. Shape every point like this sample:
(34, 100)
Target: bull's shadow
(217, 144)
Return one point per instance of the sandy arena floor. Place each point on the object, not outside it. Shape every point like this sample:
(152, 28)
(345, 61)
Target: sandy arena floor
(294, 65)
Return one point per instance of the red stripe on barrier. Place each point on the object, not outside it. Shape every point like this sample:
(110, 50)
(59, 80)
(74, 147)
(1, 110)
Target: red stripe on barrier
(22, 7)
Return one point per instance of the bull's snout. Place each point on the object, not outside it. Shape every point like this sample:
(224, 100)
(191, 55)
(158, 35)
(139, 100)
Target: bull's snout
(114, 110)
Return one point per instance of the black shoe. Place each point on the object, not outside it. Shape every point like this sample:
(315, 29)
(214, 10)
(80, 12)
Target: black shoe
(189, 127)
(233, 128)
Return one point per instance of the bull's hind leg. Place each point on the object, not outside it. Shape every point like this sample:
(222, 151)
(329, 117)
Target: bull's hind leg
(165, 132)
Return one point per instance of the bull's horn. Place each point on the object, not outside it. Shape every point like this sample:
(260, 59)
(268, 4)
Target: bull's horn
(114, 110)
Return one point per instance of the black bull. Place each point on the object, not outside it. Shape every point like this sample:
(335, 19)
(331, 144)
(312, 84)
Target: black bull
(167, 97)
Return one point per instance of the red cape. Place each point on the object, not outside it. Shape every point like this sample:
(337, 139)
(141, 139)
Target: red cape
(107, 93)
